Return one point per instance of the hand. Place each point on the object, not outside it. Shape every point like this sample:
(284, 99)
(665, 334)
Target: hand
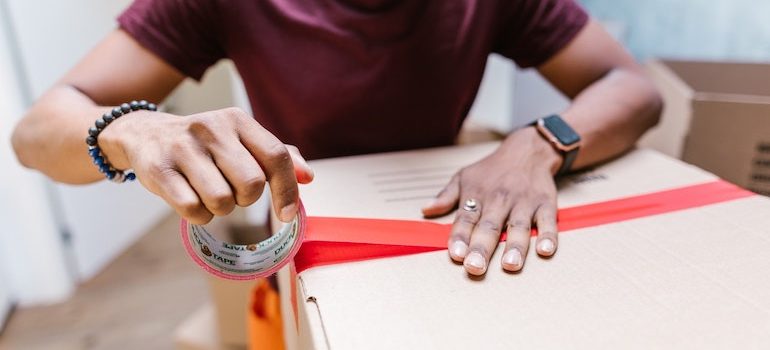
(513, 188)
(205, 164)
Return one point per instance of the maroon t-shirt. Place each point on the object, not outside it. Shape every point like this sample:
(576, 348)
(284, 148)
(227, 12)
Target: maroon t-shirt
(337, 77)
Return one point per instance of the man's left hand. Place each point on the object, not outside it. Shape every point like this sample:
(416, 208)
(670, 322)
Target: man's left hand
(512, 189)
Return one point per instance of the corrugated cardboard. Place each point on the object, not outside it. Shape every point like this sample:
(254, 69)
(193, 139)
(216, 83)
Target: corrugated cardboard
(716, 116)
(695, 278)
(199, 332)
(231, 300)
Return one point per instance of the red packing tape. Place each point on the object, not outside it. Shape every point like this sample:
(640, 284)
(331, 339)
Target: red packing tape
(334, 240)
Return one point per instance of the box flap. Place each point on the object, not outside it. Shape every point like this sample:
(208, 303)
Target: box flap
(396, 185)
(724, 80)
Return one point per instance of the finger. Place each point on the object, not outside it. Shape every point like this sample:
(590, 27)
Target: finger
(241, 171)
(445, 201)
(459, 239)
(519, 230)
(176, 191)
(209, 183)
(276, 162)
(486, 234)
(302, 169)
(547, 237)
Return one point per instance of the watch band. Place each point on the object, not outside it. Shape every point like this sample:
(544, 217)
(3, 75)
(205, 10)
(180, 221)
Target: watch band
(562, 137)
(566, 164)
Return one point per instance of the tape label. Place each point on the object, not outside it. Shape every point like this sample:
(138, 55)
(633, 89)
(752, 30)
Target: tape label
(242, 259)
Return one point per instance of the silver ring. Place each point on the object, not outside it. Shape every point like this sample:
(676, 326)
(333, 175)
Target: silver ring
(470, 205)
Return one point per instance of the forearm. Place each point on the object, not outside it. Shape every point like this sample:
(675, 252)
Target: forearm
(51, 137)
(611, 114)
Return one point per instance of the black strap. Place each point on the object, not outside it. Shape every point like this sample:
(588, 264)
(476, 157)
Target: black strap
(569, 158)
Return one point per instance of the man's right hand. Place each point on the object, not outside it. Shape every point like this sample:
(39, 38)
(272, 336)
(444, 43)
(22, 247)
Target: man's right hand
(205, 164)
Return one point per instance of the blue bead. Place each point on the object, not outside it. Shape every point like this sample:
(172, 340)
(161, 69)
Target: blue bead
(99, 161)
(110, 174)
(104, 168)
(130, 176)
(94, 151)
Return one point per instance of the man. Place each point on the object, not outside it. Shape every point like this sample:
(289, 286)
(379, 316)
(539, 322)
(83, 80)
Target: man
(341, 77)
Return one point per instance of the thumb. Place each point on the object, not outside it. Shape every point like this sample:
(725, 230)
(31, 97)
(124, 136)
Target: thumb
(445, 201)
(301, 169)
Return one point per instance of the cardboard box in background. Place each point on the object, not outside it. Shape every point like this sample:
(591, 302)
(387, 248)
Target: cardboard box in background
(694, 278)
(229, 299)
(200, 332)
(716, 116)
(231, 305)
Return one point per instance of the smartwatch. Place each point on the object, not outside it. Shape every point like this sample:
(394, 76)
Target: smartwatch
(562, 137)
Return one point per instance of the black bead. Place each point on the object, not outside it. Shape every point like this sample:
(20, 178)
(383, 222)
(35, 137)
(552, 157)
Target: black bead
(100, 123)
(93, 131)
(125, 108)
(117, 112)
(143, 104)
(152, 107)
(134, 105)
(108, 118)
(91, 141)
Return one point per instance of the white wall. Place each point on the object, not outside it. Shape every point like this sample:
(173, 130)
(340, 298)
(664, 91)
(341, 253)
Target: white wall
(33, 267)
(713, 30)
(102, 219)
(5, 301)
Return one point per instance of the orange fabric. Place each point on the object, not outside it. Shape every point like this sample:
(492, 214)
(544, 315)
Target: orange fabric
(264, 322)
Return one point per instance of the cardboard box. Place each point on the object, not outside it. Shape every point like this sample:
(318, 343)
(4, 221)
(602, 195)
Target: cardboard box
(694, 278)
(199, 332)
(716, 116)
(230, 299)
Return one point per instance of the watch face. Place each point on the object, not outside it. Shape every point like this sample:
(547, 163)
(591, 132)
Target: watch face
(561, 130)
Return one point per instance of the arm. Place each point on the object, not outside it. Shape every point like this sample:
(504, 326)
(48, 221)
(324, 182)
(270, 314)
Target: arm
(202, 165)
(50, 137)
(613, 105)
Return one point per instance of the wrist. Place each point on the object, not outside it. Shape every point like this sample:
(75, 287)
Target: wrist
(527, 141)
(115, 139)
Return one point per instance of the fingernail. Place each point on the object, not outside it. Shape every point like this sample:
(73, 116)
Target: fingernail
(475, 263)
(512, 259)
(429, 204)
(304, 164)
(288, 212)
(310, 170)
(546, 247)
(459, 249)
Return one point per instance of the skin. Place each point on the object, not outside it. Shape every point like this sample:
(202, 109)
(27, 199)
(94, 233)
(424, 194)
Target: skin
(202, 165)
(613, 104)
(205, 164)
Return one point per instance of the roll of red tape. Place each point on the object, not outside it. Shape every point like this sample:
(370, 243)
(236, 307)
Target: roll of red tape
(244, 261)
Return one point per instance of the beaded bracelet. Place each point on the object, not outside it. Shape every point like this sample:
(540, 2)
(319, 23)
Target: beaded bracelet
(92, 140)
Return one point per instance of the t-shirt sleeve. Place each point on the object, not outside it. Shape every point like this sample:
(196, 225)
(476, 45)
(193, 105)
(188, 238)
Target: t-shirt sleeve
(532, 31)
(183, 33)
